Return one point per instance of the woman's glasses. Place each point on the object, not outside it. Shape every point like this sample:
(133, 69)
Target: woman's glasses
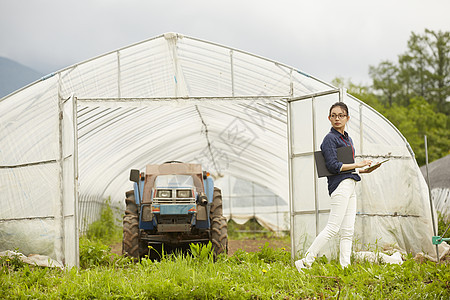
(340, 116)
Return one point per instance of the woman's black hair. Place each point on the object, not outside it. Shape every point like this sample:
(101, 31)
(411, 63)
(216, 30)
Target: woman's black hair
(342, 105)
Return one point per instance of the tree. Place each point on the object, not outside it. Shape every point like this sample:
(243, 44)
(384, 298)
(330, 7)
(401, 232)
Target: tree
(419, 119)
(414, 93)
(430, 55)
(385, 80)
(405, 78)
(361, 92)
(414, 120)
(422, 71)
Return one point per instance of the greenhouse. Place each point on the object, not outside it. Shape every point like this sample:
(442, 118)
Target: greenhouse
(69, 140)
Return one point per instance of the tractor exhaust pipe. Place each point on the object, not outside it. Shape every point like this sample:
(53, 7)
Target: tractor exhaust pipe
(202, 199)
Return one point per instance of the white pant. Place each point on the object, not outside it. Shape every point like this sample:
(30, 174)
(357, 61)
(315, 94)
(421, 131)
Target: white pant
(341, 219)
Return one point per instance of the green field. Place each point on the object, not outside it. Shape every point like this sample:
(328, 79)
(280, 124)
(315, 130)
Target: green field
(266, 274)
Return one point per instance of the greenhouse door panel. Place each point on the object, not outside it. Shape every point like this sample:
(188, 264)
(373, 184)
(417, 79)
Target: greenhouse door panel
(69, 192)
(307, 125)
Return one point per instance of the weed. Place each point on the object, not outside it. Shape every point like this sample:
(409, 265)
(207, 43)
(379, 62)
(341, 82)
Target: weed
(11, 261)
(106, 229)
(271, 255)
(95, 253)
(157, 253)
(202, 252)
(443, 224)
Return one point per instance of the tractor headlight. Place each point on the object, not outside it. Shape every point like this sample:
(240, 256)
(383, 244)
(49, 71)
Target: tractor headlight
(184, 193)
(164, 194)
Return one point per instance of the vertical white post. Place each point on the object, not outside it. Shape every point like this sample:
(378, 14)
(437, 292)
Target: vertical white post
(361, 151)
(429, 195)
(232, 73)
(59, 204)
(291, 192)
(316, 193)
(230, 198)
(342, 94)
(75, 180)
(118, 76)
(291, 85)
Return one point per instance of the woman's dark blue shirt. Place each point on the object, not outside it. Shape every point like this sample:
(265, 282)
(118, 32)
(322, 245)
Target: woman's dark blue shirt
(333, 140)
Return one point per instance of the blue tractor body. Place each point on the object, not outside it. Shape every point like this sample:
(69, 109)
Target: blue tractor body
(175, 208)
(172, 204)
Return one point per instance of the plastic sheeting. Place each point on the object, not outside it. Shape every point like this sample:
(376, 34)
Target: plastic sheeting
(438, 177)
(392, 202)
(68, 141)
(244, 200)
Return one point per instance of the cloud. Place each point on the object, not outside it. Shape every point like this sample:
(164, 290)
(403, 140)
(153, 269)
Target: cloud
(323, 38)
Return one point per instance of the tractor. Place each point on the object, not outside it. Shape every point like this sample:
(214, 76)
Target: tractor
(171, 206)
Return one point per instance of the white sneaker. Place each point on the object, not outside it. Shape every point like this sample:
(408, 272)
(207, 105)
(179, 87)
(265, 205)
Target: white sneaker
(300, 265)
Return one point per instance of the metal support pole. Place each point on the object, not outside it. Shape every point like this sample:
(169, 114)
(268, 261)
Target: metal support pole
(254, 207)
(119, 79)
(316, 193)
(278, 215)
(342, 94)
(429, 193)
(291, 84)
(291, 192)
(230, 198)
(361, 152)
(59, 203)
(232, 73)
(75, 180)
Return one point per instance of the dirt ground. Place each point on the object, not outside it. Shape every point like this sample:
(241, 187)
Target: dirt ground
(254, 245)
(248, 245)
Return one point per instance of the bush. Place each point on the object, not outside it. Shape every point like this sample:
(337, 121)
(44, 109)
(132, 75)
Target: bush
(271, 255)
(11, 262)
(96, 253)
(106, 228)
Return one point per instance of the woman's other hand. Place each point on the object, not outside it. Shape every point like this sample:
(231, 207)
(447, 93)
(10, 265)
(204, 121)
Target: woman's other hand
(364, 163)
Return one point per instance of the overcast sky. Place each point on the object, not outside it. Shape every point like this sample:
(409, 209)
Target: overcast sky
(326, 39)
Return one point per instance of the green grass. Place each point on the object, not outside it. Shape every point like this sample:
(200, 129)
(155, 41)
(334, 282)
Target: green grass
(443, 225)
(107, 229)
(266, 274)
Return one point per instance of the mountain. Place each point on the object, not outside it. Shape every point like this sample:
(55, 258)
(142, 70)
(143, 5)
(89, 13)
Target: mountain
(14, 75)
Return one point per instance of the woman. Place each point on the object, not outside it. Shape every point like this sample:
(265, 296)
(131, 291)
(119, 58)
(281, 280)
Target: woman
(341, 188)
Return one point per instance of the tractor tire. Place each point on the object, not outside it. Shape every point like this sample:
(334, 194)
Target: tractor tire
(131, 205)
(219, 235)
(216, 207)
(131, 244)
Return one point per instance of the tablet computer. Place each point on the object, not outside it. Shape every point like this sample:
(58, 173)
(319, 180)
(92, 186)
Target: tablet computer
(375, 165)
